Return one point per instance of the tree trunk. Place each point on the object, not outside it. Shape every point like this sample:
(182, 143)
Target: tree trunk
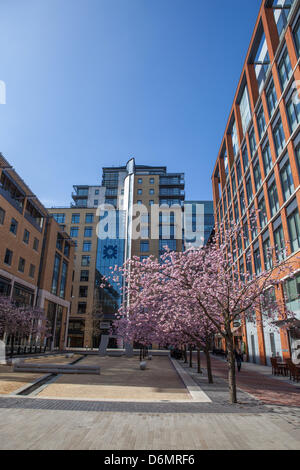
(231, 369)
(12, 345)
(185, 355)
(208, 364)
(199, 361)
(191, 357)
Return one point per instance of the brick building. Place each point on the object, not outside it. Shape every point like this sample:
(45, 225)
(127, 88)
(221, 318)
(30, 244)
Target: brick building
(36, 256)
(258, 165)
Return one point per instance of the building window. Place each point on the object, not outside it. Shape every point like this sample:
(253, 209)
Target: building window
(89, 218)
(257, 261)
(236, 211)
(85, 260)
(235, 143)
(294, 229)
(267, 253)
(81, 309)
(151, 203)
(279, 139)
(285, 69)
(242, 201)
(151, 181)
(13, 226)
(74, 232)
(238, 171)
(271, 98)
(245, 110)
(279, 243)
(296, 34)
(234, 183)
(63, 280)
(8, 257)
(261, 122)
(75, 218)
(96, 202)
(83, 291)
(67, 250)
(267, 159)
(139, 202)
(140, 181)
(2, 216)
(60, 218)
(245, 158)
(26, 237)
(21, 266)
(84, 276)
(257, 175)
(144, 246)
(286, 178)
(55, 276)
(32, 270)
(140, 192)
(87, 246)
(151, 191)
(293, 111)
(249, 190)
(96, 192)
(36, 244)
(163, 244)
(246, 233)
(252, 142)
(273, 198)
(263, 219)
(88, 231)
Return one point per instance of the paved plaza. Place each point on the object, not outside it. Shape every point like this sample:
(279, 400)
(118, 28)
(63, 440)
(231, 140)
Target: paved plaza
(157, 409)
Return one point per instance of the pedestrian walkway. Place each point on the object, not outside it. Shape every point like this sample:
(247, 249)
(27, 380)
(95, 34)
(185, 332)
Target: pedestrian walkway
(260, 383)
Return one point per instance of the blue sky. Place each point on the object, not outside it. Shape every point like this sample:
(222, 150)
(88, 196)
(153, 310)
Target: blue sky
(91, 83)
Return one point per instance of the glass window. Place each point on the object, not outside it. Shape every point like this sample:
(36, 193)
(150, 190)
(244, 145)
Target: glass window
(151, 180)
(242, 201)
(252, 142)
(83, 291)
(261, 122)
(96, 192)
(245, 110)
(151, 191)
(81, 308)
(273, 199)
(87, 246)
(296, 34)
(267, 159)
(286, 180)
(171, 244)
(234, 183)
(13, 226)
(257, 261)
(257, 175)
(245, 158)
(235, 143)
(267, 254)
(249, 190)
(32, 270)
(8, 257)
(294, 230)
(26, 237)
(36, 244)
(89, 218)
(271, 98)
(249, 264)
(2, 216)
(84, 276)
(75, 218)
(263, 219)
(279, 243)
(140, 191)
(21, 266)
(95, 202)
(285, 69)
(144, 246)
(140, 181)
(88, 231)
(60, 218)
(152, 202)
(63, 280)
(55, 275)
(236, 211)
(278, 134)
(85, 260)
(239, 171)
(74, 232)
(293, 111)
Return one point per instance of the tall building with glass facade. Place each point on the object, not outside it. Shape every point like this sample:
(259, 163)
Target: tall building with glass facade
(258, 167)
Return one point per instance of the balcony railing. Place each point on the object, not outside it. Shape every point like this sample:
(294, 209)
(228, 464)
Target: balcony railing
(14, 202)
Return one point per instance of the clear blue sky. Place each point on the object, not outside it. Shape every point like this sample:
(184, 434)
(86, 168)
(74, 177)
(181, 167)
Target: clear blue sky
(91, 83)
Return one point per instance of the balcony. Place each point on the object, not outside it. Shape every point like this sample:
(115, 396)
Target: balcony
(14, 202)
(33, 221)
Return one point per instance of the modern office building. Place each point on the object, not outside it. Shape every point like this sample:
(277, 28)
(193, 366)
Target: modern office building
(258, 166)
(36, 256)
(198, 223)
(132, 195)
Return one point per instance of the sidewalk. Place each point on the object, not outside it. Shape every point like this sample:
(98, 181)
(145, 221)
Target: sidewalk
(258, 381)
